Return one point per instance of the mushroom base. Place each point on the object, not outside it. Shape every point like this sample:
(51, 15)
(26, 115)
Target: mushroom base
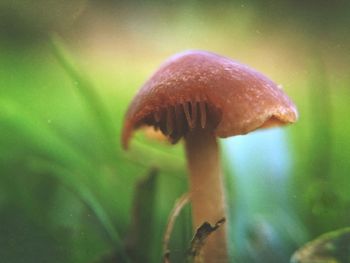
(207, 191)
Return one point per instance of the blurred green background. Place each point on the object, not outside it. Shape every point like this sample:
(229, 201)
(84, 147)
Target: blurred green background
(68, 69)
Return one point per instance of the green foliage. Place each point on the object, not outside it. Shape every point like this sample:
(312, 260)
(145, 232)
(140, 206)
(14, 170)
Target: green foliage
(59, 185)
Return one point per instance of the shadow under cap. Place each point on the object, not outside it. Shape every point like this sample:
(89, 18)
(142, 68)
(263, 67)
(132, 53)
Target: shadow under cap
(203, 90)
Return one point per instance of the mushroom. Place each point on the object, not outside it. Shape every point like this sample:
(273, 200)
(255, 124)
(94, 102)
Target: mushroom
(199, 96)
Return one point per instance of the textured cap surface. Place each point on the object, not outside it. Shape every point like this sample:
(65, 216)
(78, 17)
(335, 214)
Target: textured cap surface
(199, 88)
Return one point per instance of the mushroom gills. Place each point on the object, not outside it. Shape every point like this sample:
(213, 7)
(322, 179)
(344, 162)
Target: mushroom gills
(175, 121)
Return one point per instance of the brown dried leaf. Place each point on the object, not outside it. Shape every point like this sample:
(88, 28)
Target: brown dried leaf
(200, 237)
(333, 247)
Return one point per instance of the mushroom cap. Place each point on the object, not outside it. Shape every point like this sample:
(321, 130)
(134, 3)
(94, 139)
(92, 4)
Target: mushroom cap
(202, 89)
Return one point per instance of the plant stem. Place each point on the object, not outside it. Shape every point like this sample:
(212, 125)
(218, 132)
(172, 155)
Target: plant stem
(207, 190)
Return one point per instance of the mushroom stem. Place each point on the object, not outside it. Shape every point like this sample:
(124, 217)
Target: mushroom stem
(207, 190)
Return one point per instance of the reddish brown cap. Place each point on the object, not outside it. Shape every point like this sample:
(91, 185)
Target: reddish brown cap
(199, 89)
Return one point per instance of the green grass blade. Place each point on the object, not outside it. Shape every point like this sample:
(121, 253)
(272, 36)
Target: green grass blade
(67, 178)
(87, 91)
(142, 229)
